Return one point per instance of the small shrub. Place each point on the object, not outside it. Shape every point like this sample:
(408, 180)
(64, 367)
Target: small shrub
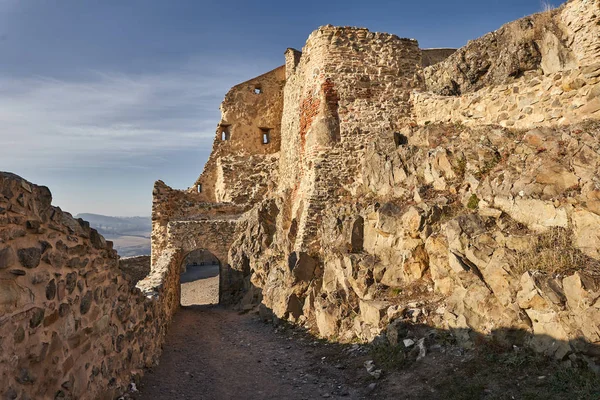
(473, 203)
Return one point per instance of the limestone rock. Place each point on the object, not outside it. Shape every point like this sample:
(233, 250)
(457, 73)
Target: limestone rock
(586, 232)
(372, 312)
(302, 266)
(539, 215)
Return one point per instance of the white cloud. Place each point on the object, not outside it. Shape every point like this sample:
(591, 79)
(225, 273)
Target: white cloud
(57, 123)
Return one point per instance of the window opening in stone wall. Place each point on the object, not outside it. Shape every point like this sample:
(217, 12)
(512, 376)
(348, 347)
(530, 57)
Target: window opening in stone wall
(200, 278)
(199, 187)
(266, 135)
(225, 133)
(257, 90)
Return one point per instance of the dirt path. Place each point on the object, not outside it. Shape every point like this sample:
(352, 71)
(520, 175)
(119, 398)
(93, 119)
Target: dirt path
(200, 285)
(214, 353)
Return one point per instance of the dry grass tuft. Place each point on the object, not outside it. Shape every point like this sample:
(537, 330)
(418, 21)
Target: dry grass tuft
(546, 6)
(554, 253)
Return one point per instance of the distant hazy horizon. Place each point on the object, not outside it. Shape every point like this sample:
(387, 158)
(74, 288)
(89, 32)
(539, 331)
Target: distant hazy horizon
(99, 99)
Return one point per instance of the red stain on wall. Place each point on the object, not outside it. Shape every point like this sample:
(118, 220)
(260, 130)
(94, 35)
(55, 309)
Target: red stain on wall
(332, 98)
(309, 108)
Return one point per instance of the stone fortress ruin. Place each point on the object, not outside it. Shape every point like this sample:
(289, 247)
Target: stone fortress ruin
(364, 182)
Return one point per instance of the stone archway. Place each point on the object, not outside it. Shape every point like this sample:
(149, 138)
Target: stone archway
(214, 236)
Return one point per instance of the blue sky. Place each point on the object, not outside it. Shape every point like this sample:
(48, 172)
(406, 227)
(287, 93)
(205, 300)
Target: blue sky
(100, 98)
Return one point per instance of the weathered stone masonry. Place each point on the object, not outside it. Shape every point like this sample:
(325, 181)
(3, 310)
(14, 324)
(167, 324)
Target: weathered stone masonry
(71, 324)
(408, 170)
(250, 116)
(353, 189)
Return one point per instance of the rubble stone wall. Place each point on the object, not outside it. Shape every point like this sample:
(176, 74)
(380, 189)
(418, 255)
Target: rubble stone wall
(463, 195)
(250, 110)
(137, 268)
(249, 178)
(329, 113)
(483, 223)
(561, 98)
(72, 324)
(177, 205)
(541, 70)
(215, 236)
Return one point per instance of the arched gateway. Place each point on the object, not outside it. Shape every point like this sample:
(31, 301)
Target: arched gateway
(214, 236)
(182, 223)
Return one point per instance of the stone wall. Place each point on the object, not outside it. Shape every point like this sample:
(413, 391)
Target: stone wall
(463, 195)
(561, 98)
(250, 110)
(72, 324)
(541, 70)
(579, 20)
(137, 268)
(530, 44)
(177, 205)
(383, 215)
(243, 179)
(329, 113)
(434, 56)
(215, 236)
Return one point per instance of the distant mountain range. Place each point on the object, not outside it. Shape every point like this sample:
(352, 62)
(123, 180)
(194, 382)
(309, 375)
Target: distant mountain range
(130, 235)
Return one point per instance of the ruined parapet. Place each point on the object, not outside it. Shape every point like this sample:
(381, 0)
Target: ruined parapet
(542, 70)
(72, 325)
(434, 56)
(292, 59)
(348, 84)
(176, 205)
(250, 126)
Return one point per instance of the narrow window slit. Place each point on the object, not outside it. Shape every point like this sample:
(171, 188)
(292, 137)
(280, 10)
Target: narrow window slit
(225, 132)
(266, 135)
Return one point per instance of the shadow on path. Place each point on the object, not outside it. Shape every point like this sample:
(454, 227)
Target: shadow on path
(195, 272)
(213, 353)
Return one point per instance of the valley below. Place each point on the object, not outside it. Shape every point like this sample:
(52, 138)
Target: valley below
(130, 235)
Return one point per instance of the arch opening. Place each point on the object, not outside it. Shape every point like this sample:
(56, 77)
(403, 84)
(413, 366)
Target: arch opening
(200, 274)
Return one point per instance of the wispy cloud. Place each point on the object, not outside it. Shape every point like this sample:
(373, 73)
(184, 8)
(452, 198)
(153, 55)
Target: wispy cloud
(105, 117)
